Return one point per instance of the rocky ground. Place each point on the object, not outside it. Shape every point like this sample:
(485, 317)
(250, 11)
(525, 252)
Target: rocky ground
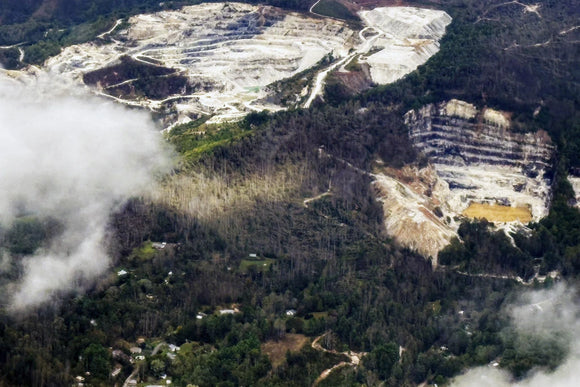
(412, 202)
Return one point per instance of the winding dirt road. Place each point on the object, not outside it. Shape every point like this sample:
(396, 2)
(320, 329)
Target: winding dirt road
(364, 48)
(354, 357)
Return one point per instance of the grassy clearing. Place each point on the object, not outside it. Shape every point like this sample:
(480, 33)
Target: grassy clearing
(276, 350)
(256, 264)
(196, 139)
(144, 252)
(318, 315)
(208, 195)
(498, 213)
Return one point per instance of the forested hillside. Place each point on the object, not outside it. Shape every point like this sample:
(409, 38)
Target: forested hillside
(268, 234)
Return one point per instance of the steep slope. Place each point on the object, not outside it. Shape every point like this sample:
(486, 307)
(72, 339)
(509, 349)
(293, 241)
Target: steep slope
(479, 168)
(415, 208)
(482, 159)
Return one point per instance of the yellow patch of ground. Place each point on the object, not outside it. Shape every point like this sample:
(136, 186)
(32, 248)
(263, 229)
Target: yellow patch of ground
(498, 213)
(276, 350)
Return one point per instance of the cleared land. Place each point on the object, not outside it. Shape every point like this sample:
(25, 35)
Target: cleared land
(257, 264)
(276, 350)
(498, 213)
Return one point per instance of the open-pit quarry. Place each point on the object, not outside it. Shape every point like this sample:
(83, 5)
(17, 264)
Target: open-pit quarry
(479, 167)
(217, 59)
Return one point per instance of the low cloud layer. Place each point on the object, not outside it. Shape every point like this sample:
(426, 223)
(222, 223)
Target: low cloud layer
(73, 158)
(545, 314)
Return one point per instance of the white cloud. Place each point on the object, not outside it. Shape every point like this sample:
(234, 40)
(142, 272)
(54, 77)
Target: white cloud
(545, 314)
(76, 158)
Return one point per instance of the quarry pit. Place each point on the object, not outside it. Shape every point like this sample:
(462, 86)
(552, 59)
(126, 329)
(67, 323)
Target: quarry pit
(218, 59)
(478, 167)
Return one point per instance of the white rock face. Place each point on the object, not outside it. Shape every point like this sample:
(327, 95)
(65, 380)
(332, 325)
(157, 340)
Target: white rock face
(474, 158)
(482, 160)
(575, 181)
(409, 35)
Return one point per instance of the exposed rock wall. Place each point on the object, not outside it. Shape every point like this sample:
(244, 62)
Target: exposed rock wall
(575, 181)
(481, 158)
(476, 161)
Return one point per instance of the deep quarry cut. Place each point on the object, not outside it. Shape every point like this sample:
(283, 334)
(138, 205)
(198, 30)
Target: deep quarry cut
(479, 167)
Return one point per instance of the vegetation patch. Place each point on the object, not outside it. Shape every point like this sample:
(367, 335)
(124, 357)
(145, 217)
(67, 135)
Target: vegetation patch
(194, 140)
(334, 9)
(134, 79)
(9, 58)
(255, 264)
(289, 92)
(498, 213)
(29, 233)
(277, 349)
(144, 252)
(319, 315)
(354, 64)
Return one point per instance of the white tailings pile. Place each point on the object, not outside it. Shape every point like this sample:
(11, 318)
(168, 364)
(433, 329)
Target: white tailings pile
(415, 209)
(409, 36)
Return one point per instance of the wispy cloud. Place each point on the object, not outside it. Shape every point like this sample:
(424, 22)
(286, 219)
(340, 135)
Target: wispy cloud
(75, 158)
(551, 315)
